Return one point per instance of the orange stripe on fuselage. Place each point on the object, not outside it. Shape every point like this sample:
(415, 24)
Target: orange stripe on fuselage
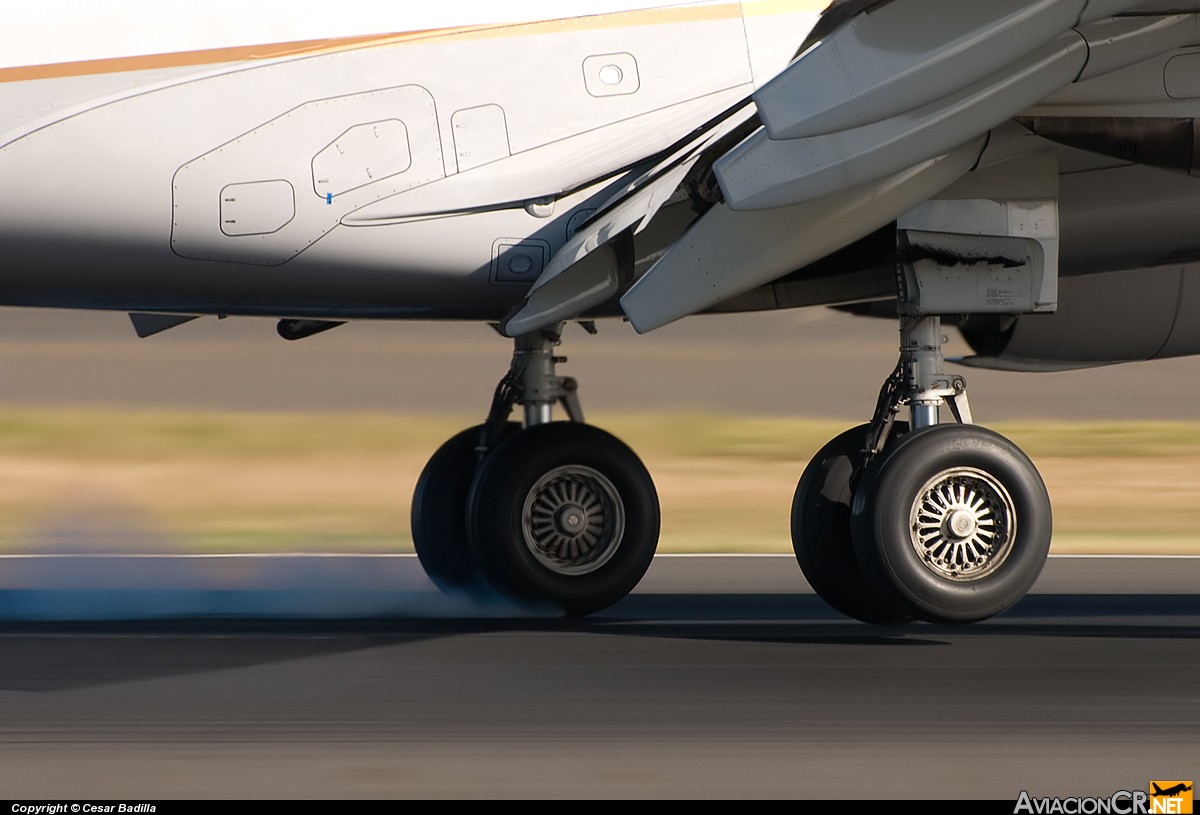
(182, 59)
(216, 56)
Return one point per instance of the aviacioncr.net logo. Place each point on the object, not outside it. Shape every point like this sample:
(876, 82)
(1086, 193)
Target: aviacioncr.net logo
(1121, 802)
(1163, 798)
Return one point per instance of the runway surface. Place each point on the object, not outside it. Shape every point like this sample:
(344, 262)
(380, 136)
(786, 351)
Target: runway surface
(720, 677)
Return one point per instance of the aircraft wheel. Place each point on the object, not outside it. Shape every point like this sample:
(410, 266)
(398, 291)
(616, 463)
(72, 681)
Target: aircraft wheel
(821, 534)
(956, 520)
(439, 510)
(564, 514)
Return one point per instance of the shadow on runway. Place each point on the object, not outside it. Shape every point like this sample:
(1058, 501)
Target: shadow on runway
(54, 656)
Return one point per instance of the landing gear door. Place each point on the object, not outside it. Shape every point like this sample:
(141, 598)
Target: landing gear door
(986, 245)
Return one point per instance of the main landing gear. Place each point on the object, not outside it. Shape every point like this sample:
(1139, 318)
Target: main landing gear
(892, 521)
(550, 514)
(927, 521)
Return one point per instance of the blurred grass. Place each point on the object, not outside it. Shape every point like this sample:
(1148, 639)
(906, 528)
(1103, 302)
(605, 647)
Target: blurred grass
(120, 481)
(112, 435)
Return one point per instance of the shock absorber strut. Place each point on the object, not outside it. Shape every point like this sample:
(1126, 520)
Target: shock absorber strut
(532, 381)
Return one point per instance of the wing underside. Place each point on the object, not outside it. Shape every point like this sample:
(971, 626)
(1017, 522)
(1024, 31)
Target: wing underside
(888, 105)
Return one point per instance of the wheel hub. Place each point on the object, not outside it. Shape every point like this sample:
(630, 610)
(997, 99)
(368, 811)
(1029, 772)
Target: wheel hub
(573, 520)
(963, 524)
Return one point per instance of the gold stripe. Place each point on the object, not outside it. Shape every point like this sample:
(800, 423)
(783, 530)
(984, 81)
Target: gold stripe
(216, 56)
(210, 56)
(755, 8)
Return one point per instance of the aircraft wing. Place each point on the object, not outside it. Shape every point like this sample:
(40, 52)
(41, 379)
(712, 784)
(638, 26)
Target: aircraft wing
(576, 280)
(888, 103)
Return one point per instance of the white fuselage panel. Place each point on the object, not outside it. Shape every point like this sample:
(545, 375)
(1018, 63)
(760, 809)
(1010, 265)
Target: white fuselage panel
(363, 159)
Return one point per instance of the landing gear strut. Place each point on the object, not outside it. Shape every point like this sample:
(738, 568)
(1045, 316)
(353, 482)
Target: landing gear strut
(929, 521)
(558, 514)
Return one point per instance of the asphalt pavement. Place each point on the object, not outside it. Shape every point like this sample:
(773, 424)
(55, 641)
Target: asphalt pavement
(719, 678)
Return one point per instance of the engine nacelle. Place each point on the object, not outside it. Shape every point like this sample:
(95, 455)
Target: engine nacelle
(1102, 319)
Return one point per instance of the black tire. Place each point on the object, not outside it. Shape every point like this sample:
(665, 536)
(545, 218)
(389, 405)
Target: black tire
(821, 534)
(536, 484)
(943, 477)
(439, 511)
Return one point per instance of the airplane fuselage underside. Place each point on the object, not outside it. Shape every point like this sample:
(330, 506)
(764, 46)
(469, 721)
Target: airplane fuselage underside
(424, 175)
(435, 176)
